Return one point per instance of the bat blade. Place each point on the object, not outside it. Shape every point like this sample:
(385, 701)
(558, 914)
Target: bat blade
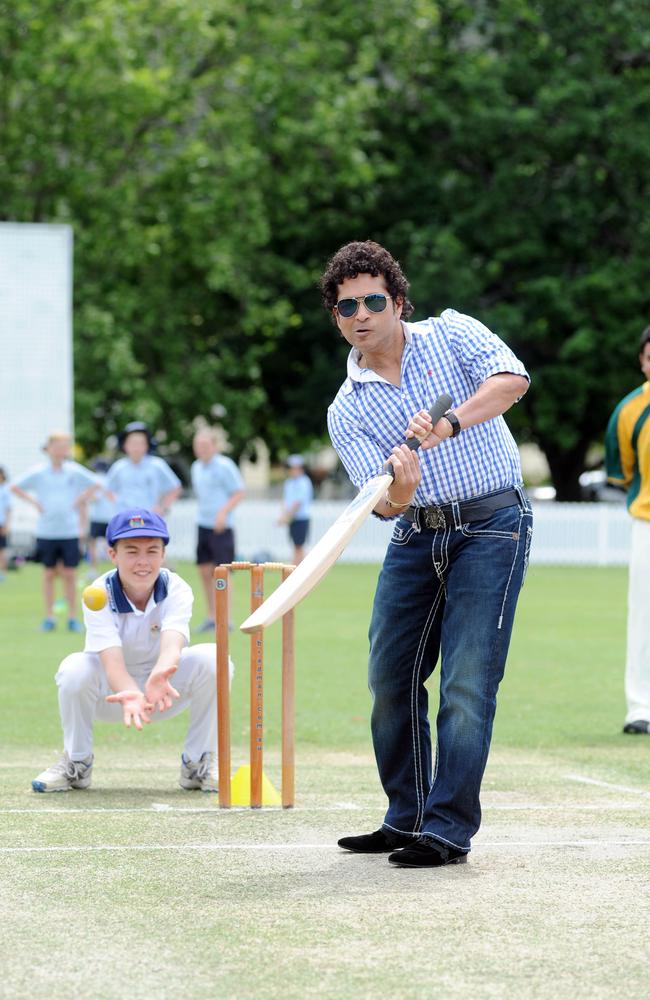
(319, 559)
(327, 550)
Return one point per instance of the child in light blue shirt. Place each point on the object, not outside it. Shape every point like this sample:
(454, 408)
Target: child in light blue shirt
(219, 487)
(296, 509)
(141, 479)
(58, 489)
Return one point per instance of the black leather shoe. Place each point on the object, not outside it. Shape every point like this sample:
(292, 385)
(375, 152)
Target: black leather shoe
(640, 726)
(427, 854)
(380, 842)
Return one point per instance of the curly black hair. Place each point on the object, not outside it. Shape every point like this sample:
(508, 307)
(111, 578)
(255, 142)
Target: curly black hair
(364, 257)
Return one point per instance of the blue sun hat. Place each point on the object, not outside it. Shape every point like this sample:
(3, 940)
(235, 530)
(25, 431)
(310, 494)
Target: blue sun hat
(136, 523)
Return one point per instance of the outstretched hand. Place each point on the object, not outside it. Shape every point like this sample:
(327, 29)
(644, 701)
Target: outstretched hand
(158, 690)
(136, 708)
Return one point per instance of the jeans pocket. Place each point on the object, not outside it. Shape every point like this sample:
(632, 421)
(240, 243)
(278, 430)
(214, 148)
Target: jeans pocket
(504, 523)
(403, 532)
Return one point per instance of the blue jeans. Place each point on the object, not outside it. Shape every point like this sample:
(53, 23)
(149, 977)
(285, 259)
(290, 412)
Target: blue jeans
(449, 592)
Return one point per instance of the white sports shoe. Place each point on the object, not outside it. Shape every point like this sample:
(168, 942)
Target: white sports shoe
(64, 775)
(203, 775)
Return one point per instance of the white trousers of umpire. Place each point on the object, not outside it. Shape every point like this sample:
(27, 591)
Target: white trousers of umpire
(83, 688)
(637, 667)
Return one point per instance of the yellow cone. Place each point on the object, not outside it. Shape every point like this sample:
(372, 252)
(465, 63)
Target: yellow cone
(240, 792)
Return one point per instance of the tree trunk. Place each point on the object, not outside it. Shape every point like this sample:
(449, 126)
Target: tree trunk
(566, 467)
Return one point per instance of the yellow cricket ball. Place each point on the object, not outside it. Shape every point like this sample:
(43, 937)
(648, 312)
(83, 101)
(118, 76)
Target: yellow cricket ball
(94, 598)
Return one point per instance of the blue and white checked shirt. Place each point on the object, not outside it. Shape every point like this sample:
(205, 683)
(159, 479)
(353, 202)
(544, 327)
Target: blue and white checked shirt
(447, 353)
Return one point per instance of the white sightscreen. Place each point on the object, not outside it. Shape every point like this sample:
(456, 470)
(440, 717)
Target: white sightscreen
(35, 340)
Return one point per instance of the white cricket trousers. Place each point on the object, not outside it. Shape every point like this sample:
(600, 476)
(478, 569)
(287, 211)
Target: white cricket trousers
(83, 688)
(637, 667)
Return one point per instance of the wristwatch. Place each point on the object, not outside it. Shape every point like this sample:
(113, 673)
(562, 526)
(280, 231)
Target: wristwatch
(454, 421)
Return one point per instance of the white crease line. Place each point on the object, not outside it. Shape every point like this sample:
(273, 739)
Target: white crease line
(564, 807)
(564, 843)
(606, 784)
(156, 809)
(159, 809)
(169, 847)
(124, 848)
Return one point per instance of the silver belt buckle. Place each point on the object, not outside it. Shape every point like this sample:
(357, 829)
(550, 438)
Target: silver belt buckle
(434, 518)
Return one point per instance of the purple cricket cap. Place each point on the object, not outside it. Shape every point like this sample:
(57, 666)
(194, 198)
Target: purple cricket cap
(136, 523)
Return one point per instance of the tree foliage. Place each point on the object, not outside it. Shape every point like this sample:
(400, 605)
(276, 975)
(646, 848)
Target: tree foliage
(212, 156)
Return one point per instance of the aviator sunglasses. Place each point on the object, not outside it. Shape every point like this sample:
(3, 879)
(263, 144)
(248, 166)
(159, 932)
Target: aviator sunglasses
(375, 302)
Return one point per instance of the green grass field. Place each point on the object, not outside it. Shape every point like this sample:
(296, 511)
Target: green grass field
(138, 888)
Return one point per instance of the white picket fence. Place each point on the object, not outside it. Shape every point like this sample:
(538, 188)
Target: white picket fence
(596, 534)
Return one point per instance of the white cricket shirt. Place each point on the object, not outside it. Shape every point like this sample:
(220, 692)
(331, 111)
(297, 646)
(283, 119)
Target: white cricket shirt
(119, 623)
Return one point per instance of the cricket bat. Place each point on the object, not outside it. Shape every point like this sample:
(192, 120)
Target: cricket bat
(327, 550)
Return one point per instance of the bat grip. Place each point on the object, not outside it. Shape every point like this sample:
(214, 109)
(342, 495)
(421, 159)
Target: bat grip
(440, 407)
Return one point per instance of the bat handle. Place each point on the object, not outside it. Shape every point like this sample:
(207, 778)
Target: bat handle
(440, 407)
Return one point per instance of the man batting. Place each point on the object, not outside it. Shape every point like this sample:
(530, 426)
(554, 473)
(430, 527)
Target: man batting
(456, 561)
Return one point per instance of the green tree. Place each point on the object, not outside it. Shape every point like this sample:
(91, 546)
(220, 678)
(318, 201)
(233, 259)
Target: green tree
(211, 157)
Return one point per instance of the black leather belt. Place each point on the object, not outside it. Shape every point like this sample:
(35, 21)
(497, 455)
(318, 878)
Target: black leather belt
(477, 509)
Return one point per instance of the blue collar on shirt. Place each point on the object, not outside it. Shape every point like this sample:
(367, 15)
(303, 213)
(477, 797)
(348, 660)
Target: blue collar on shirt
(120, 602)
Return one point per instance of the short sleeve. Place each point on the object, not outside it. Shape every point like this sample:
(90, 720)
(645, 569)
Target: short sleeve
(480, 352)
(84, 477)
(102, 630)
(29, 481)
(176, 609)
(113, 475)
(166, 476)
(233, 477)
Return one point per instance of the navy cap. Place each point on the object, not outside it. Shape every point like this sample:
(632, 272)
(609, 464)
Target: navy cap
(136, 523)
(136, 427)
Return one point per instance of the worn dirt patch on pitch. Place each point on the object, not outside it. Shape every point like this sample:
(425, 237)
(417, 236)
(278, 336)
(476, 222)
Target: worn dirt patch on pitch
(263, 904)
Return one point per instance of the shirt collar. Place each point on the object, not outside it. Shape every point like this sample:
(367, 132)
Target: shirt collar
(119, 600)
(358, 374)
